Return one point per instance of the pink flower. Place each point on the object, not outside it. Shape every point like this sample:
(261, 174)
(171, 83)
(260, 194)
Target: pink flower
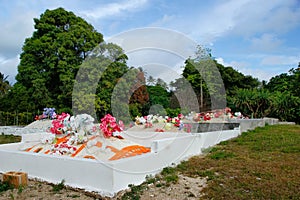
(180, 116)
(108, 125)
(169, 119)
(121, 124)
(57, 124)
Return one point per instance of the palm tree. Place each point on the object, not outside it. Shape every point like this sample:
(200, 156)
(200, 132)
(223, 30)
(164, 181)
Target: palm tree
(4, 84)
(151, 80)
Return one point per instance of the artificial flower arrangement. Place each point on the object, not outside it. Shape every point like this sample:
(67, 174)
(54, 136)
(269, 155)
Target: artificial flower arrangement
(48, 113)
(207, 116)
(149, 120)
(79, 137)
(109, 126)
(69, 132)
(176, 121)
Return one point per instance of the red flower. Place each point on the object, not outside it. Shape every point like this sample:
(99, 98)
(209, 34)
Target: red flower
(57, 124)
(180, 116)
(177, 122)
(206, 117)
(169, 119)
(109, 125)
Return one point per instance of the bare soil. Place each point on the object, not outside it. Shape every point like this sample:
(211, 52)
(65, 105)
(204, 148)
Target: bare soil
(186, 188)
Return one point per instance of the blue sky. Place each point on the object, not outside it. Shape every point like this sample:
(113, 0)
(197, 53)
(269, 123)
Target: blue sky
(259, 38)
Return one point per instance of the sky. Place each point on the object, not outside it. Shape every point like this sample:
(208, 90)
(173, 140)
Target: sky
(257, 38)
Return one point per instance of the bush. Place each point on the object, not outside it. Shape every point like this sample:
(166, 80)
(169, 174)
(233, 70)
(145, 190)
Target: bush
(15, 118)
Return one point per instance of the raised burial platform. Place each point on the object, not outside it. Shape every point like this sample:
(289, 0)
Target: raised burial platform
(109, 177)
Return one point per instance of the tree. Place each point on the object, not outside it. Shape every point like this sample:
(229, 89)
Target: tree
(286, 95)
(254, 102)
(151, 80)
(205, 79)
(158, 95)
(285, 106)
(4, 84)
(234, 80)
(97, 78)
(279, 83)
(162, 83)
(52, 56)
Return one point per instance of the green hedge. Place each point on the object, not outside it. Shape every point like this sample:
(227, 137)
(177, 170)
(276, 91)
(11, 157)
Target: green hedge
(15, 118)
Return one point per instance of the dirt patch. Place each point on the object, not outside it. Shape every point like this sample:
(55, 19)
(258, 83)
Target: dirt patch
(185, 188)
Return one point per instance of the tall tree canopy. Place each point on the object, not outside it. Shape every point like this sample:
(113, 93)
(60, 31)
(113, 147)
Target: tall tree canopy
(51, 57)
(97, 79)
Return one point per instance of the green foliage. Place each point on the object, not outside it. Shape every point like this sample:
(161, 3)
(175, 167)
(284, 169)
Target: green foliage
(99, 81)
(285, 106)
(169, 174)
(4, 186)
(256, 102)
(20, 189)
(173, 112)
(58, 187)
(17, 98)
(51, 58)
(286, 95)
(15, 118)
(134, 193)
(150, 179)
(4, 84)
(158, 95)
(234, 80)
(135, 110)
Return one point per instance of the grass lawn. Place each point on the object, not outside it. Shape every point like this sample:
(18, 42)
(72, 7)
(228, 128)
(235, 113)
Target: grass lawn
(9, 139)
(260, 164)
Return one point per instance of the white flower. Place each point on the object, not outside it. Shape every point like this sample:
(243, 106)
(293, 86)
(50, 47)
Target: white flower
(48, 139)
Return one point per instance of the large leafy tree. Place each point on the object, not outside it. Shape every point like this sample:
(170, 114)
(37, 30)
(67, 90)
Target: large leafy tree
(286, 82)
(286, 106)
(97, 79)
(234, 80)
(286, 95)
(201, 72)
(52, 56)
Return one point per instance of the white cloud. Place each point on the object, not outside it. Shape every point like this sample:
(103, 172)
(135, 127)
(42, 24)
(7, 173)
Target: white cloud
(266, 43)
(245, 69)
(266, 16)
(244, 18)
(234, 64)
(112, 9)
(8, 67)
(280, 60)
